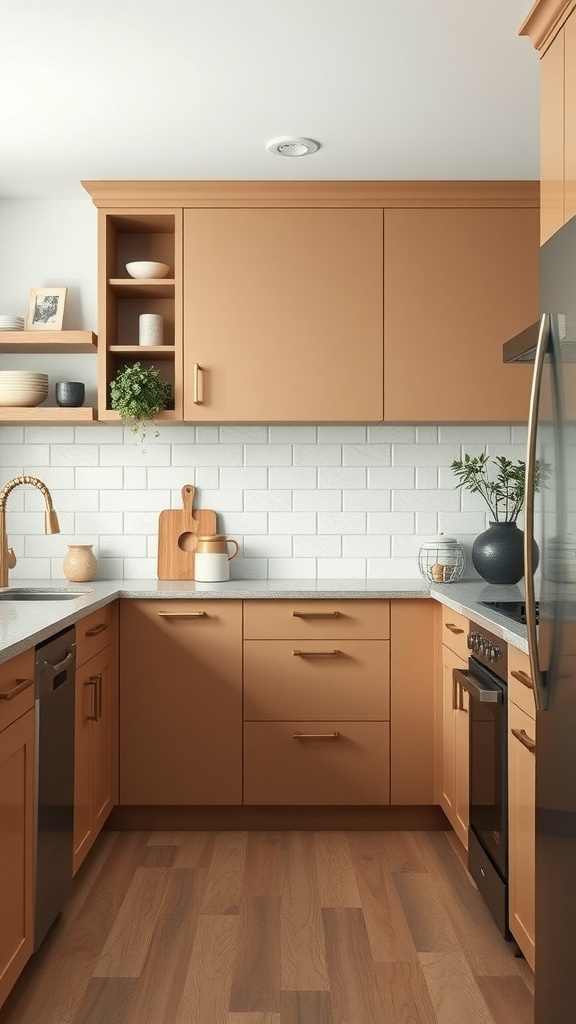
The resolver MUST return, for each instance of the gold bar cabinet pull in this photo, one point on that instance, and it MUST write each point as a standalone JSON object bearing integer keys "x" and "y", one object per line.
{"x": 453, "y": 628}
{"x": 523, "y": 678}
{"x": 316, "y": 615}
{"x": 523, "y": 737}
{"x": 21, "y": 685}
{"x": 316, "y": 735}
{"x": 316, "y": 654}
{"x": 97, "y": 629}
{"x": 198, "y": 390}
{"x": 182, "y": 615}
{"x": 93, "y": 681}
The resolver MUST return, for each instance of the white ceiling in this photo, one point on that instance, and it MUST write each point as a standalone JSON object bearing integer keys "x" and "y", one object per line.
{"x": 194, "y": 89}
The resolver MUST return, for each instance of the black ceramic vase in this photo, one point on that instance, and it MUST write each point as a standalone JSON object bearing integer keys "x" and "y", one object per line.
{"x": 498, "y": 553}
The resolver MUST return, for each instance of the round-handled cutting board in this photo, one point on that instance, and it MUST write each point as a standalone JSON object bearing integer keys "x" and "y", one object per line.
{"x": 178, "y": 532}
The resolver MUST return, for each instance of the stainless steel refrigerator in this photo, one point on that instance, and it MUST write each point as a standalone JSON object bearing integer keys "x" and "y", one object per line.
{"x": 550, "y": 516}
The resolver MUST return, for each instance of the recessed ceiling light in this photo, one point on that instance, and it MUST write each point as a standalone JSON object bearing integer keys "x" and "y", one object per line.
{"x": 292, "y": 146}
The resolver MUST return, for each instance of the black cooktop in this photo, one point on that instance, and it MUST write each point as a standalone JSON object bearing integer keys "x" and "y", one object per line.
{"x": 515, "y": 610}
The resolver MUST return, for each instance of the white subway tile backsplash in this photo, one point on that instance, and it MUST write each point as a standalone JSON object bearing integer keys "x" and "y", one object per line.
{"x": 326, "y": 501}
{"x": 268, "y": 501}
{"x": 366, "y": 455}
{"x": 267, "y": 455}
{"x": 366, "y": 501}
{"x": 317, "y": 454}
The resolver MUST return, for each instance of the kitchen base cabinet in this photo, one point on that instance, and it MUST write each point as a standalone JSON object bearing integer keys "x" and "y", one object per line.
{"x": 455, "y": 747}
{"x": 180, "y": 702}
{"x": 522, "y": 825}
{"x": 16, "y": 846}
{"x": 96, "y": 727}
{"x": 316, "y": 762}
{"x": 412, "y": 701}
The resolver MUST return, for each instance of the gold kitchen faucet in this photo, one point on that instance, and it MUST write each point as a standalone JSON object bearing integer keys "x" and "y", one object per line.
{"x": 51, "y": 524}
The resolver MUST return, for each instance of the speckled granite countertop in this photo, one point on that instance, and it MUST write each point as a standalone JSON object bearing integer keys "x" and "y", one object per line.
{"x": 24, "y": 624}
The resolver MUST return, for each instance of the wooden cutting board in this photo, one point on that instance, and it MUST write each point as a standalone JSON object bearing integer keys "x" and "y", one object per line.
{"x": 178, "y": 530}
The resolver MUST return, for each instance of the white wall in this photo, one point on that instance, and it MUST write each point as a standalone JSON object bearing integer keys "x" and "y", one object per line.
{"x": 304, "y": 501}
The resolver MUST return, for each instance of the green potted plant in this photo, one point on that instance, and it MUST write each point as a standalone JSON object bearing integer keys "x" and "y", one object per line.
{"x": 498, "y": 553}
{"x": 138, "y": 394}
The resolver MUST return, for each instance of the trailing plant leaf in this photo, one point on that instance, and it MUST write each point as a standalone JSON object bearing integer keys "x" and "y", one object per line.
{"x": 138, "y": 394}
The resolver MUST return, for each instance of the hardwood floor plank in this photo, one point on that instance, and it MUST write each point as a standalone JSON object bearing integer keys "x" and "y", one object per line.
{"x": 106, "y": 1001}
{"x": 158, "y": 856}
{"x": 262, "y": 873}
{"x": 508, "y": 999}
{"x": 404, "y": 994}
{"x": 194, "y": 849}
{"x": 429, "y": 924}
{"x": 225, "y": 874}
{"x": 256, "y": 977}
{"x": 306, "y": 1008}
{"x": 253, "y": 1018}
{"x": 206, "y": 991}
{"x": 127, "y": 945}
{"x": 302, "y": 948}
{"x": 485, "y": 949}
{"x": 336, "y": 878}
{"x": 455, "y": 995}
{"x": 164, "y": 973}
{"x": 388, "y": 932}
{"x": 354, "y": 991}
{"x": 398, "y": 849}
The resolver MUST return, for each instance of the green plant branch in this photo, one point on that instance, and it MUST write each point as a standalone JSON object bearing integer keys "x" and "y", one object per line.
{"x": 503, "y": 490}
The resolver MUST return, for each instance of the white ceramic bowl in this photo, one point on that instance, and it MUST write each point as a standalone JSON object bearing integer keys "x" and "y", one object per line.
{"x": 23, "y": 397}
{"x": 147, "y": 269}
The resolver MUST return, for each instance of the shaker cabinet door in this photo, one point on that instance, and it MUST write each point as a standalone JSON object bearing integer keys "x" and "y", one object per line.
{"x": 283, "y": 315}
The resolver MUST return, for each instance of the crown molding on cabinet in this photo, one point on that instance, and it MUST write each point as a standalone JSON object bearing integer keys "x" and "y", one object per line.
{"x": 160, "y": 194}
{"x": 544, "y": 20}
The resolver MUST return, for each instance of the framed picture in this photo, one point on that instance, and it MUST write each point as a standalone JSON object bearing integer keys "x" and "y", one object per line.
{"x": 46, "y": 309}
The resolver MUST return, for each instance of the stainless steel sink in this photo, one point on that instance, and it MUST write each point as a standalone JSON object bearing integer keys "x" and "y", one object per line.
{"x": 33, "y": 594}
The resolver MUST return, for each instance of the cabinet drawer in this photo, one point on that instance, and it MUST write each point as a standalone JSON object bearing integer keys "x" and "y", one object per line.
{"x": 13, "y": 673}
{"x": 314, "y": 679}
{"x": 351, "y": 767}
{"x": 455, "y": 629}
{"x": 93, "y": 634}
{"x": 520, "y": 684}
{"x": 316, "y": 619}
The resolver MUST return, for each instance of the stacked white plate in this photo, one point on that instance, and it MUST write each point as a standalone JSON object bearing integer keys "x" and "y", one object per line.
{"x": 20, "y": 388}
{"x": 11, "y": 323}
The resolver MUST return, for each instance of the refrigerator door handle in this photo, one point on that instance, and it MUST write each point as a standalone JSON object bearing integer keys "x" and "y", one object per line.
{"x": 543, "y": 336}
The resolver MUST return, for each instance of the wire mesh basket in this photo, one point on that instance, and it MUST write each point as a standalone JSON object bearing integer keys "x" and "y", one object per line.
{"x": 441, "y": 559}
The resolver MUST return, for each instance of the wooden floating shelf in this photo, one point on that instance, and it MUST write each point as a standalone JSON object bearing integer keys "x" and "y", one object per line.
{"x": 146, "y": 352}
{"x": 48, "y": 341}
{"x": 146, "y": 288}
{"x": 47, "y": 415}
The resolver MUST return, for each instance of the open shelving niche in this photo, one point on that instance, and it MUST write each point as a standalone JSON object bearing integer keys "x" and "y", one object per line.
{"x": 126, "y": 236}
{"x": 47, "y": 343}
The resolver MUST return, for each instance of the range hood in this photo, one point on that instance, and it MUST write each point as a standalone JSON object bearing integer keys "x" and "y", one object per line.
{"x": 522, "y": 347}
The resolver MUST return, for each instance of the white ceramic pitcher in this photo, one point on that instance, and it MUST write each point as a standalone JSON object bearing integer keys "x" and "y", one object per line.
{"x": 211, "y": 558}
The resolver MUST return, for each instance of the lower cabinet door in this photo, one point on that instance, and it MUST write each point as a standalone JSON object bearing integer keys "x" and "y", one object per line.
{"x": 522, "y": 823}
{"x": 462, "y": 747}
{"x": 455, "y": 768}
{"x": 16, "y": 839}
{"x": 94, "y": 754}
{"x": 85, "y": 714}
{"x": 316, "y": 763}
{"x": 102, "y": 743}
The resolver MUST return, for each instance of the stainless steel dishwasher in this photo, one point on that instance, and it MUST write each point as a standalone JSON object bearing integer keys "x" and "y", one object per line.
{"x": 54, "y": 790}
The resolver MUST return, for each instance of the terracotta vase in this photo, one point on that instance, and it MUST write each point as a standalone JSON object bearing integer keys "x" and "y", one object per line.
{"x": 80, "y": 564}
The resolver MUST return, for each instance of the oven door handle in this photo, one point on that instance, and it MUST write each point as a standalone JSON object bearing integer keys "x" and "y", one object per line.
{"x": 485, "y": 694}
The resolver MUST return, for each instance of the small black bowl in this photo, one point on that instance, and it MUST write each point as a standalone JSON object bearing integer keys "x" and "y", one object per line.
{"x": 70, "y": 393}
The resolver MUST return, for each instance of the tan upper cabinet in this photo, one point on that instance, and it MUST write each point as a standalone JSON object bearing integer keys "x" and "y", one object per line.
{"x": 551, "y": 25}
{"x": 458, "y": 284}
{"x": 283, "y": 315}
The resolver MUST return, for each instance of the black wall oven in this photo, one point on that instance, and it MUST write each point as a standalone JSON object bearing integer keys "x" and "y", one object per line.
{"x": 485, "y": 681}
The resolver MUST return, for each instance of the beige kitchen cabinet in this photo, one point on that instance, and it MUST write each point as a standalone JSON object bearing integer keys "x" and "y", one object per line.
{"x": 181, "y": 702}
{"x": 457, "y": 284}
{"x": 551, "y": 25}
{"x": 522, "y": 802}
{"x": 317, "y": 702}
{"x": 283, "y": 315}
{"x": 96, "y": 727}
{"x": 412, "y": 625}
{"x": 17, "y": 738}
{"x": 454, "y": 745}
